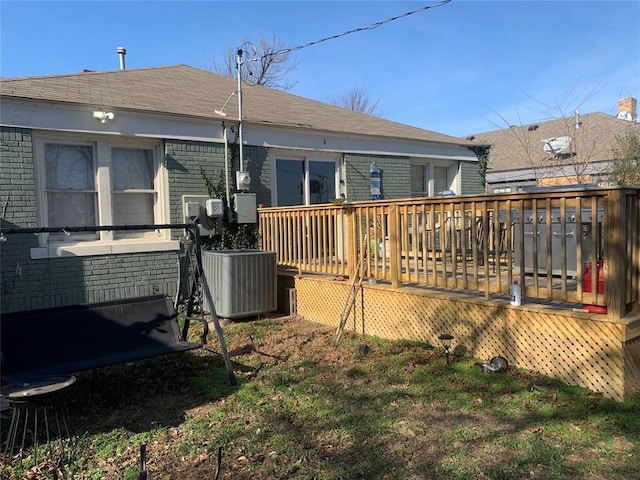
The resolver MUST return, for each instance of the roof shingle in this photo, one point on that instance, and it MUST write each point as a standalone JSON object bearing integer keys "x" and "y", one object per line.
{"x": 521, "y": 147}
{"x": 184, "y": 90}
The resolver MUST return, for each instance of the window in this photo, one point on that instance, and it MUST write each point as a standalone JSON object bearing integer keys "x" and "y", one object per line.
{"x": 289, "y": 182}
{"x": 420, "y": 180}
{"x": 428, "y": 180}
{"x": 71, "y": 196}
{"x": 440, "y": 180}
{"x": 322, "y": 181}
{"x": 103, "y": 182}
{"x": 134, "y": 196}
{"x": 305, "y": 181}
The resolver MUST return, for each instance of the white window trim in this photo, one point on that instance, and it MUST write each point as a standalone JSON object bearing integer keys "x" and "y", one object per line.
{"x": 431, "y": 164}
{"x": 276, "y": 155}
{"x": 106, "y": 244}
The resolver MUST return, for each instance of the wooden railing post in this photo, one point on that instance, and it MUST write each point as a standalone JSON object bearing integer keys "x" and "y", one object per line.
{"x": 394, "y": 246}
{"x": 614, "y": 254}
{"x": 351, "y": 242}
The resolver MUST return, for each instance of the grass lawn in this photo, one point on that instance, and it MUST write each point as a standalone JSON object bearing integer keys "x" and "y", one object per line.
{"x": 306, "y": 408}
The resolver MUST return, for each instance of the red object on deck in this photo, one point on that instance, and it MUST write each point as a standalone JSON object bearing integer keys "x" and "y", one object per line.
{"x": 586, "y": 285}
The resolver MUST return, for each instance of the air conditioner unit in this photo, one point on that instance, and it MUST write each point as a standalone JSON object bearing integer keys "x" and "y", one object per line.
{"x": 242, "y": 282}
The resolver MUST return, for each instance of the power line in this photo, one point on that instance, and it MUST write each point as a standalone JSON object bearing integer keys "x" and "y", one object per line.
{"x": 355, "y": 30}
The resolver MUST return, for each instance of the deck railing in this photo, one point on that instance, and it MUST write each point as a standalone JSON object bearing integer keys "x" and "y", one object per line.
{"x": 566, "y": 246}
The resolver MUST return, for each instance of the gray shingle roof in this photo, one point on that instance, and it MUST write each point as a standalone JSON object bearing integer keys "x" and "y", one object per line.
{"x": 184, "y": 90}
{"x": 519, "y": 147}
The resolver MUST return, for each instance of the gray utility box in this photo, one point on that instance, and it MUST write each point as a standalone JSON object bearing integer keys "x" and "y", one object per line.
{"x": 243, "y": 283}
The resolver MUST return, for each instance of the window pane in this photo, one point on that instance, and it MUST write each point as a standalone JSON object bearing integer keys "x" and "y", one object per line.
{"x": 440, "y": 180}
{"x": 289, "y": 182}
{"x": 69, "y": 167}
{"x": 322, "y": 181}
{"x": 418, "y": 179}
{"x": 133, "y": 208}
{"x": 71, "y": 209}
{"x": 132, "y": 169}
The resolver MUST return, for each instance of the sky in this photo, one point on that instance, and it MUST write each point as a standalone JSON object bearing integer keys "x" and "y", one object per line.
{"x": 465, "y": 67}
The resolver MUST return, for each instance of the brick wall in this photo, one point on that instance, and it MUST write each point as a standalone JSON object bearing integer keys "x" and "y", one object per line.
{"x": 185, "y": 160}
{"x": 27, "y": 284}
{"x": 17, "y": 188}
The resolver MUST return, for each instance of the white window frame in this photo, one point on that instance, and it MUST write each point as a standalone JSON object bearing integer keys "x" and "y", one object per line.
{"x": 105, "y": 242}
{"x": 307, "y": 181}
{"x": 429, "y": 166}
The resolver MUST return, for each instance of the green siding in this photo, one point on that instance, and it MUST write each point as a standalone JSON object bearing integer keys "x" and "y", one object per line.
{"x": 471, "y": 182}
{"x": 396, "y": 174}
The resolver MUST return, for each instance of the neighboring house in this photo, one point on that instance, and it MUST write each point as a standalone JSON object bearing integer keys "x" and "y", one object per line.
{"x": 573, "y": 150}
{"x": 127, "y": 146}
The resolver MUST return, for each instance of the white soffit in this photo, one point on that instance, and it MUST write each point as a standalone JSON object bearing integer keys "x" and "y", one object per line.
{"x": 354, "y": 144}
{"x": 72, "y": 118}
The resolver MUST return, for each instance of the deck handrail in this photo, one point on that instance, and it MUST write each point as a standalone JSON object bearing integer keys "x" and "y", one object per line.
{"x": 579, "y": 247}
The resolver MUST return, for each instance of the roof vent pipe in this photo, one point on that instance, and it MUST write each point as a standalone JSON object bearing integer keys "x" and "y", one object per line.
{"x": 121, "y": 53}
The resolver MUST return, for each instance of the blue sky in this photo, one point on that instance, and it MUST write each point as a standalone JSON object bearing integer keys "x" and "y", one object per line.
{"x": 467, "y": 67}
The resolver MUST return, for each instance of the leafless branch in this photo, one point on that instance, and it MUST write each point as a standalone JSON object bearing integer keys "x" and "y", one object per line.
{"x": 357, "y": 100}
{"x": 269, "y": 65}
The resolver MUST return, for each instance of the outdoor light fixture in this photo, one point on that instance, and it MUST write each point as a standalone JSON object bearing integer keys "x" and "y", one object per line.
{"x": 445, "y": 338}
{"x": 221, "y": 112}
{"x": 104, "y": 117}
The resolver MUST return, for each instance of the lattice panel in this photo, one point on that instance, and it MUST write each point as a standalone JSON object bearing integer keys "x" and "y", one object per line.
{"x": 632, "y": 365}
{"x": 322, "y": 300}
{"x": 580, "y": 349}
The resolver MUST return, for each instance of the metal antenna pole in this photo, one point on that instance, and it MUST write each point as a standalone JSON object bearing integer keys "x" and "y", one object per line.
{"x": 238, "y": 64}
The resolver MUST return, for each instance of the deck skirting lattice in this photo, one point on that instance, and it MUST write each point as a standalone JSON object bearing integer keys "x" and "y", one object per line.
{"x": 578, "y": 348}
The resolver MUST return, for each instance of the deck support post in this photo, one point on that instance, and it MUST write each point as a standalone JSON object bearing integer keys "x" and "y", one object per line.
{"x": 615, "y": 287}
{"x": 395, "y": 247}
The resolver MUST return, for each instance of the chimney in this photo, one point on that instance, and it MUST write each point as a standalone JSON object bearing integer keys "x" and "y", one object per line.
{"x": 627, "y": 109}
{"x": 123, "y": 51}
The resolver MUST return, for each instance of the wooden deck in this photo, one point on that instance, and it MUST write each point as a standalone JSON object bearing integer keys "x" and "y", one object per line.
{"x": 445, "y": 265}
